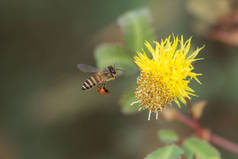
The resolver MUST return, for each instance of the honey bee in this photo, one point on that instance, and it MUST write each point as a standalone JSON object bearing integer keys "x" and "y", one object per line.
{"x": 99, "y": 79}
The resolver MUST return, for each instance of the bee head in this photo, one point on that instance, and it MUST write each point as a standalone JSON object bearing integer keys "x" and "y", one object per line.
{"x": 112, "y": 70}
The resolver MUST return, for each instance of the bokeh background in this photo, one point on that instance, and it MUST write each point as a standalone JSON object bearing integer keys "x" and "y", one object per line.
{"x": 44, "y": 114}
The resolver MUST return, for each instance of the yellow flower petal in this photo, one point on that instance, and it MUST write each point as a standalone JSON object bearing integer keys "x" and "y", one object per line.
{"x": 165, "y": 77}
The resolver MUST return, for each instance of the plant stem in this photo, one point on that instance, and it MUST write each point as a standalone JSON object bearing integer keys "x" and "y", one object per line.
{"x": 207, "y": 135}
{"x": 219, "y": 141}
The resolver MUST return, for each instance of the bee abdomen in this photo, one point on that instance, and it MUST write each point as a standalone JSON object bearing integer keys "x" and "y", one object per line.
{"x": 89, "y": 83}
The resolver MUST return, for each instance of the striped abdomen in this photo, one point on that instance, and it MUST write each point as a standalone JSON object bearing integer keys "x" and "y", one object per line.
{"x": 91, "y": 82}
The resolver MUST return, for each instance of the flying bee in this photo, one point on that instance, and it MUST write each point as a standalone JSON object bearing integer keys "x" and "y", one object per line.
{"x": 99, "y": 79}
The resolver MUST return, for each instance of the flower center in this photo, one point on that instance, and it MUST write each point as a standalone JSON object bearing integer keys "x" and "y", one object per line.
{"x": 152, "y": 93}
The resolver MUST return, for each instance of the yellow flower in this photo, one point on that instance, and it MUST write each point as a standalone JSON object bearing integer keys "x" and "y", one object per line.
{"x": 164, "y": 78}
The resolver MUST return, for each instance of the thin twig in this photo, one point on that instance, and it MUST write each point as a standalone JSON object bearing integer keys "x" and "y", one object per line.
{"x": 217, "y": 140}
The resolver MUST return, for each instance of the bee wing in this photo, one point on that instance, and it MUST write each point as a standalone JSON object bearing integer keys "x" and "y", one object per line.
{"x": 87, "y": 68}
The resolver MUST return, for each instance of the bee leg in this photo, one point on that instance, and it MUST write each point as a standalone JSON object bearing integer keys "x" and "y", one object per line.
{"x": 106, "y": 90}
{"x": 98, "y": 89}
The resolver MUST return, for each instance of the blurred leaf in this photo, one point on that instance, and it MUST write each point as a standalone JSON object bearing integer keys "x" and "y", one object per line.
{"x": 199, "y": 148}
{"x": 208, "y": 11}
{"x": 168, "y": 136}
{"x": 136, "y": 27}
{"x": 106, "y": 55}
{"x": 197, "y": 109}
{"x": 126, "y": 102}
{"x": 167, "y": 152}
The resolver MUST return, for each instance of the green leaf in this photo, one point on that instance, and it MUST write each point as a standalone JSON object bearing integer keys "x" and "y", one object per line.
{"x": 167, "y": 152}
{"x": 168, "y": 136}
{"x": 136, "y": 28}
{"x": 126, "y": 102}
{"x": 106, "y": 55}
{"x": 199, "y": 148}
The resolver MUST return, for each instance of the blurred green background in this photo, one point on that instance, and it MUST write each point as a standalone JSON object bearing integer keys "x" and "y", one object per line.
{"x": 45, "y": 114}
